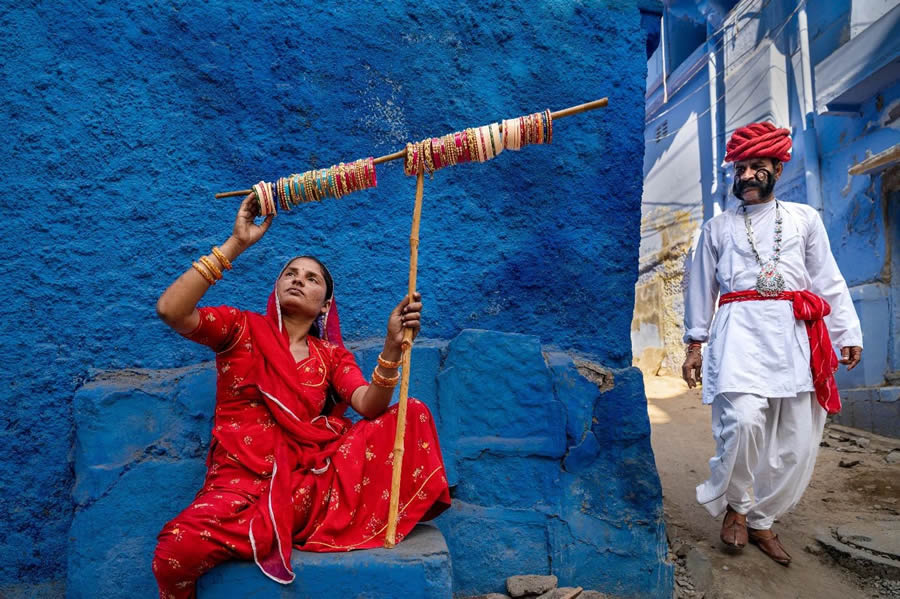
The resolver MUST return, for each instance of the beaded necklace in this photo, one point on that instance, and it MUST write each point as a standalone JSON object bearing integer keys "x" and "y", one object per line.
{"x": 769, "y": 282}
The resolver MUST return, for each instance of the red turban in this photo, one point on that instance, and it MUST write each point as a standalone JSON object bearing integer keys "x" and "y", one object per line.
{"x": 759, "y": 140}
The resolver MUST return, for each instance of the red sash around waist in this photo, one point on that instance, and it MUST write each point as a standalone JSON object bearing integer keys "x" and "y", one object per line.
{"x": 811, "y": 309}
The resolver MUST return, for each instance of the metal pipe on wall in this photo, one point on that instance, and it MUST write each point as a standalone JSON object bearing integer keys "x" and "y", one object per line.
{"x": 810, "y": 141}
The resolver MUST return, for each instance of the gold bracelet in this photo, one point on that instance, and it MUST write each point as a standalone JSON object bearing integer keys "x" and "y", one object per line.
{"x": 409, "y": 158}
{"x": 428, "y": 157}
{"x": 383, "y": 381}
{"x": 387, "y": 363}
{"x": 204, "y": 274}
{"x": 212, "y": 267}
{"x": 221, "y": 257}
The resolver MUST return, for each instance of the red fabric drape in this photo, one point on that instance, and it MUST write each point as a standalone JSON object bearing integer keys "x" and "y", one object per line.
{"x": 281, "y": 474}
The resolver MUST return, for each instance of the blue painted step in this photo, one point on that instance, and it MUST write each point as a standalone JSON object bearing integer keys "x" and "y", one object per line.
{"x": 417, "y": 568}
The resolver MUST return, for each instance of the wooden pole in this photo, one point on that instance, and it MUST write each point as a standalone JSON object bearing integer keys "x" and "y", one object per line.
{"x": 390, "y": 537}
{"x": 602, "y": 102}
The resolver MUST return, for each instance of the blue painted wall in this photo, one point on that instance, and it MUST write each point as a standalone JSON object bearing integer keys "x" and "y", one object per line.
{"x": 862, "y": 223}
{"x": 550, "y": 473}
{"x": 122, "y": 119}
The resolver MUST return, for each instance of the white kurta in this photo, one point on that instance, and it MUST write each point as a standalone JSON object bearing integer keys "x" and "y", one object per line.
{"x": 759, "y": 347}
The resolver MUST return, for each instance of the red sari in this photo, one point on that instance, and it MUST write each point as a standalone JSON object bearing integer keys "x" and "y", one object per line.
{"x": 281, "y": 474}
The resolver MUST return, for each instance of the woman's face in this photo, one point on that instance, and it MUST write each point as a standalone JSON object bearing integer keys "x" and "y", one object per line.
{"x": 301, "y": 289}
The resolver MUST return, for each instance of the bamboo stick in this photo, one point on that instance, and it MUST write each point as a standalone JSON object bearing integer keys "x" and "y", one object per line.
{"x": 405, "y": 359}
{"x": 602, "y": 102}
{"x": 390, "y": 538}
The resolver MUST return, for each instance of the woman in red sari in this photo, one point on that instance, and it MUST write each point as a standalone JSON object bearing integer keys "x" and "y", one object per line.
{"x": 285, "y": 468}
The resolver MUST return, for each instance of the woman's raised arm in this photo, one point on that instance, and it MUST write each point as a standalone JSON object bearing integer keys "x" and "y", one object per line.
{"x": 177, "y": 306}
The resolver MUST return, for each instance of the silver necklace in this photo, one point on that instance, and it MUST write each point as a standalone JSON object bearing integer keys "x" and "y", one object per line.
{"x": 769, "y": 282}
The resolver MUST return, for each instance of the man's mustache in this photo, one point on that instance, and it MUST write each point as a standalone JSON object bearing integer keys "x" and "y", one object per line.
{"x": 751, "y": 183}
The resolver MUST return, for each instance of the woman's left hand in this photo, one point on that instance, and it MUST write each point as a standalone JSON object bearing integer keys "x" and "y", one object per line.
{"x": 407, "y": 315}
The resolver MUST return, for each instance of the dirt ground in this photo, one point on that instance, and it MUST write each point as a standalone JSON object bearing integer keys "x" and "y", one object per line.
{"x": 867, "y": 491}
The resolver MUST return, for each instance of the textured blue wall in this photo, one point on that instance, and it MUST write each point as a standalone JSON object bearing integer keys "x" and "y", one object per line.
{"x": 124, "y": 118}
{"x": 550, "y": 473}
{"x": 854, "y": 208}
{"x": 863, "y": 223}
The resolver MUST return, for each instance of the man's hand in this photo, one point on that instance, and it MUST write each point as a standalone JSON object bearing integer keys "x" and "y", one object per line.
{"x": 850, "y": 356}
{"x": 691, "y": 370}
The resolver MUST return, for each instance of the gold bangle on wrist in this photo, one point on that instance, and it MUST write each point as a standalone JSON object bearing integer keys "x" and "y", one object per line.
{"x": 209, "y": 278}
{"x": 387, "y": 363}
{"x": 211, "y": 267}
{"x": 226, "y": 263}
{"x": 383, "y": 381}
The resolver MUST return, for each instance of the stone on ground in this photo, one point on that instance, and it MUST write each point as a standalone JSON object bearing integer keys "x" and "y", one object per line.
{"x": 530, "y": 584}
{"x": 561, "y": 593}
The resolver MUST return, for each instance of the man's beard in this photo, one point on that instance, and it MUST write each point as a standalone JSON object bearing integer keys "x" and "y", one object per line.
{"x": 764, "y": 187}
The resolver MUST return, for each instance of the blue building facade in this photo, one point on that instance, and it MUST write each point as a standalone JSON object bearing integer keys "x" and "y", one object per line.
{"x": 122, "y": 120}
{"x": 829, "y": 72}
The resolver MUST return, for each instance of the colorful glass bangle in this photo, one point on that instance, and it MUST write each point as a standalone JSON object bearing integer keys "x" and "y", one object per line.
{"x": 371, "y": 166}
{"x": 427, "y": 157}
{"x": 298, "y": 187}
{"x": 360, "y": 173}
{"x": 473, "y": 144}
{"x": 270, "y": 198}
{"x": 497, "y": 137}
{"x": 483, "y": 144}
{"x": 435, "y": 151}
{"x": 410, "y": 155}
{"x": 350, "y": 178}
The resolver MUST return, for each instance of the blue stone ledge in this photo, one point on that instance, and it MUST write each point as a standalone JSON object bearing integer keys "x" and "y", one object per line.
{"x": 873, "y": 409}
{"x": 417, "y": 568}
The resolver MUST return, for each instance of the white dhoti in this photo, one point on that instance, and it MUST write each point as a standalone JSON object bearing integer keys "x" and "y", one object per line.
{"x": 765, "y": 453}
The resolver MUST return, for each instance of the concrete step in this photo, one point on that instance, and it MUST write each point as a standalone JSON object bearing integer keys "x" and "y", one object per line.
{"x": 867, "y": 548}
{"x": 417, "y": 568}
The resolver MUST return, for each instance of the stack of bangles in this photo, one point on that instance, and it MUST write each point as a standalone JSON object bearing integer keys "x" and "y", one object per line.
{"x": 693, "y": 347}
{"x": 477, "y": 144}
{"x": 385, "y": 381}
{"x": 208, "y": 269}
{"x": 314, "y": 186}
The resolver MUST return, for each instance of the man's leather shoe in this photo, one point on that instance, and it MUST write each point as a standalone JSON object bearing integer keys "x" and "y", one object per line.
{"x": 734, "y": 529}
{"x": 768, "y": 543}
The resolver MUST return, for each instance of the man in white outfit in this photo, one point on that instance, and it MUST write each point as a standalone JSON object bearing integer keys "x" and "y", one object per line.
{"x": 769, "y": 363}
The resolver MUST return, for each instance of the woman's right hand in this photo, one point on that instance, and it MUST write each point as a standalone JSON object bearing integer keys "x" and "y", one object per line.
{"x": 246, "y": 231}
